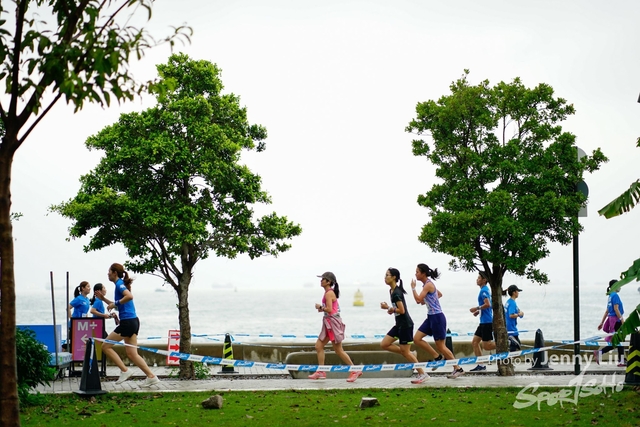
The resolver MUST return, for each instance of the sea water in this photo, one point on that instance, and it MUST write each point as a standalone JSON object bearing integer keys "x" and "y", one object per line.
{"x": 248, "y": 313}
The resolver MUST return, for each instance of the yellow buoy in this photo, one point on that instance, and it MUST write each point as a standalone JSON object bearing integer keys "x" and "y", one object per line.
{"x": 358, "y": 300}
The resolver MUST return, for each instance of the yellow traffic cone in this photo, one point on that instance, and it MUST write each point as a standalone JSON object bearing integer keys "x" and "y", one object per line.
{"x": 227, "y": 354}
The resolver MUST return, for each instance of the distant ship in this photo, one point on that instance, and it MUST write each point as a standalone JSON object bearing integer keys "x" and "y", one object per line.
{"x": 357, "y": 299}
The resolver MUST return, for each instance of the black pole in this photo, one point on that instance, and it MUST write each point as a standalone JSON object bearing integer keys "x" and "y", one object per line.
{"x": 576, "y": 305}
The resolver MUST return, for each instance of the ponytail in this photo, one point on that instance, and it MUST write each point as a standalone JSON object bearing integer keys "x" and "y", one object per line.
{"x": 424, "y": 268}
{"x": 396, "y": 273}
{"x": 78, "y": 290}
{"x": 119, "y": 270}
{"x": 336, "y": 289}
{"x": 401, "y": 287}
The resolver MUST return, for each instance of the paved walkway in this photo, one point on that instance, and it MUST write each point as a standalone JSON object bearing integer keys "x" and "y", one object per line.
{"x": 253, "y": 379}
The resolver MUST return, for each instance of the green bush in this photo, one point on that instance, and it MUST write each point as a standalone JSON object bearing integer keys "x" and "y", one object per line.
{"x": 33, "y": 365}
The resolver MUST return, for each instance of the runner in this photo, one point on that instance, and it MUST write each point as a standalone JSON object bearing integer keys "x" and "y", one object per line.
{"x": 332, "y": 326}
{"x": 611, "y": 322}
{"x": 435, "y": 324}
{"x": 484, "y": 333}
{"x": 403, "y": 329}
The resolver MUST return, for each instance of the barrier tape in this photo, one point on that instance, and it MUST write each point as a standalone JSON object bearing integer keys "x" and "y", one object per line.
{"x": 347, "y": 368}
{"x": 234, "y": 337}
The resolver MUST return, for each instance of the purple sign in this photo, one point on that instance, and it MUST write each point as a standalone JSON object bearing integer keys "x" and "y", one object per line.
{"x": 81, "y": 330}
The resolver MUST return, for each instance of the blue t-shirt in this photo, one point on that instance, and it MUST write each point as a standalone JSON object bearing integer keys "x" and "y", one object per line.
{"x": 512, "y": 323}
{"x": 99, "y": 306}
{"x": 80, "y": 306}
{"x": 486, "y": 315}
{"x": 613, "y": 300}
{"x": 126, "y": 310}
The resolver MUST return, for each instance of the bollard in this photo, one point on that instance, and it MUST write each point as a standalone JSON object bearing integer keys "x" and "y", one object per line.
{"x": 448, "y": 342}
{"x": 632, "y": 376}
{"x": 90, "y": 381}
{"x": 539, "y": 356}
{"x": 227, "y": 353}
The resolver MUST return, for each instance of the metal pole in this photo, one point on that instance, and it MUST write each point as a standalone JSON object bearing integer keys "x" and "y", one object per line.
{"x": 576, "y": 305}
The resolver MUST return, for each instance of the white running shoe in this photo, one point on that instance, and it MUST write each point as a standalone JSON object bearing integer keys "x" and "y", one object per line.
{"x": 148, "y": 382}
{"x": 421, "y": 378}
{"x": 124, "y": 376}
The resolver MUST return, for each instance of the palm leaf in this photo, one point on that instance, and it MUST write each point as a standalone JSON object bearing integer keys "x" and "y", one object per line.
{"x": 628, "y": 327}
{"x": 623, "y": 203}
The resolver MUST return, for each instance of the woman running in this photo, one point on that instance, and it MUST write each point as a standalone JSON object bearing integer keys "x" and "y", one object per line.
{"x": 435, "y": 324}
{"x": 128, "y": 328}
{"x": 332, "y": 326}
{"x": 403, "y": 329}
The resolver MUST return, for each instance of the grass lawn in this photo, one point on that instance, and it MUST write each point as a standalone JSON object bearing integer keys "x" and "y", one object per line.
{"x": 425, "y": 406}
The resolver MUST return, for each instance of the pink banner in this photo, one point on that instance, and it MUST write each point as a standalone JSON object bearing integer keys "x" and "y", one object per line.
{"x": 81, "y": 330}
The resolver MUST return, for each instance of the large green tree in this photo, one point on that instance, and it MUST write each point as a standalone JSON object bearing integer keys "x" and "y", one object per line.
{"x": 78, "y": 51}
{"x": 170, "y": 186}
{"x": 506, "y": 177}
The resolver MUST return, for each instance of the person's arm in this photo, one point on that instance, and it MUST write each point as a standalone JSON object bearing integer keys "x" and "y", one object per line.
{"x": 69, "y": 310}
{"x": 126, "y": 297}
{"x": 604, "y": 317}
{"x": 616, "y": 308}
{"x": 478, "y": 309}
{"x": 97, "y": 313}
{"x": 423, "y": 294}
{"x": 399, "y": 308}
{"x": 104, "y": 299}
{"x": 439, "y": 294}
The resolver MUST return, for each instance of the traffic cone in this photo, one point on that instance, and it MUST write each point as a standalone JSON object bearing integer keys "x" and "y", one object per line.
{"x": 632, "y": 376}
{"x": 539, "y": 356}
{"x": 90, "y": 380}
{"x": 227, "y": 353}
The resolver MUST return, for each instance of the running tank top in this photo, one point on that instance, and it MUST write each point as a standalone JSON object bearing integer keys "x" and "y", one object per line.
{"x": 334, "y": 309}
{"x": 432, "y": 301}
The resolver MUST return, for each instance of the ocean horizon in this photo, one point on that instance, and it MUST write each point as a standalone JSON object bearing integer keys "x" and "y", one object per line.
{"x": 259, "y": 313}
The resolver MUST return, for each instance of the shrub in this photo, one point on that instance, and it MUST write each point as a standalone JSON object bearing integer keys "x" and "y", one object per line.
{"x": 33, "y": 365}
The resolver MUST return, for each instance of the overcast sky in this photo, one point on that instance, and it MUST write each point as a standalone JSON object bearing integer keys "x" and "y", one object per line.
{"x": 335, "y": 83}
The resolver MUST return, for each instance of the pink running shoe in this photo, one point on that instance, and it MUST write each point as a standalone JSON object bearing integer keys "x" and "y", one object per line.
{"x": 318, "y": 375}
{"x": 353, "y": 376}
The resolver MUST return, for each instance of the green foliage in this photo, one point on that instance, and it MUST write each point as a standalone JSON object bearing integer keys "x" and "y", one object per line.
{"x": 170, "y": 187}
{"x": 202, "y": 371}
{"x": 507, "y": 175}
{"x": 33, "y": 365}
{"x": 628, "y": 327}
{"x": 50, "y": 50}
{"x": 623, "y": 203}
{"x": 457, "y": 406}
{"x": 82, "y": 53}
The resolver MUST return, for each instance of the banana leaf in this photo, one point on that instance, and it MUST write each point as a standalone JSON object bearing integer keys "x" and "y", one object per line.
{"x": 628, "y": 327}
{"x": 633, "y": 273}
{"x": 623, "y": 203}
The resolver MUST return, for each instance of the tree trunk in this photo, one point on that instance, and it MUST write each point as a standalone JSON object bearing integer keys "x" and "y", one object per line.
{"x": 9, "y": 404}
{"x": 505, "y": 366}
{"x": 187, "y": 371}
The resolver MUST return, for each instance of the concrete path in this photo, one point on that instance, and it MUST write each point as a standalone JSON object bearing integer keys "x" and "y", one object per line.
{"x": 254, "y": 379}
